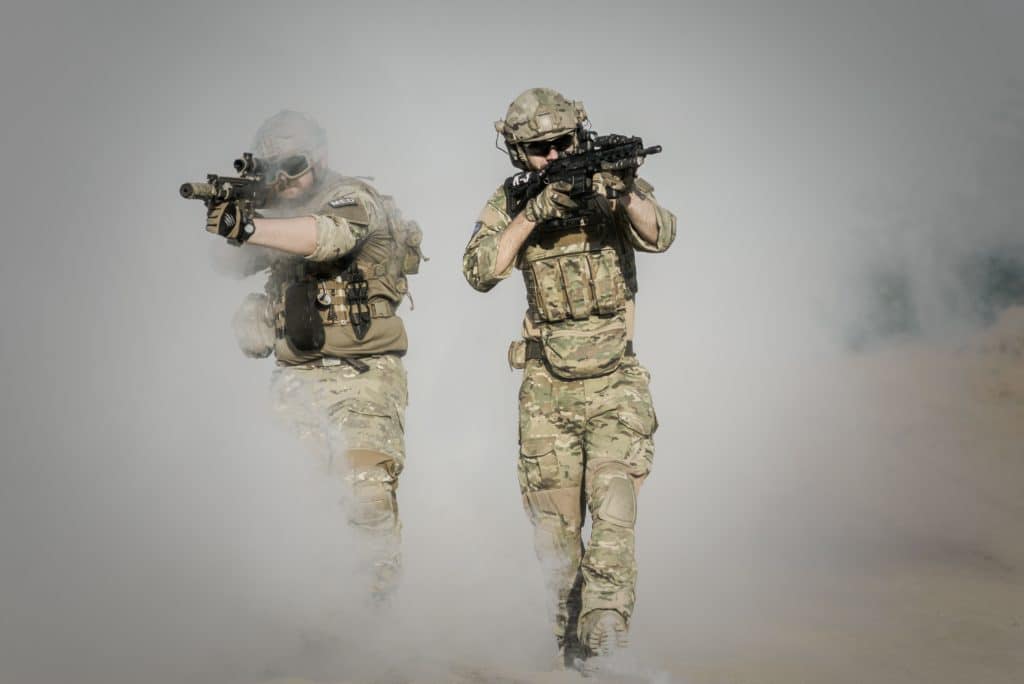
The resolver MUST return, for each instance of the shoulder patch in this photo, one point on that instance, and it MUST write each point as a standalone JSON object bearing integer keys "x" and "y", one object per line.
{"x": 493, "y": 216}
{"x": 477, "y": 226}
{"x": 342, "y": 202}
{"x": 352, "y": 208}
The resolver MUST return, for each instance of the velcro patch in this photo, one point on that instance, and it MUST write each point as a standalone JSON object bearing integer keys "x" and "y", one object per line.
{"x": 351, "y": 209}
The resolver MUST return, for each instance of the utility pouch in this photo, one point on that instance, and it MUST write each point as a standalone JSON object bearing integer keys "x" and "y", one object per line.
{"x": 357, "y": 297}
{"x": 585, "y": 349}
{"x": 412, "y": 254}
{"x": 303, "y": 326}
{"x": 547, "y": 290}
{"x": 575, "y": 286}
{"x": 517, "y": 355}
{"x": 607, "y": 282}
{"x": 578, "y": 284}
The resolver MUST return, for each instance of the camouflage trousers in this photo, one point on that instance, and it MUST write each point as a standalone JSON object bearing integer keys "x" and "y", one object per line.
{"x": 354, "y": 422}
{"x": 585, "y": 444}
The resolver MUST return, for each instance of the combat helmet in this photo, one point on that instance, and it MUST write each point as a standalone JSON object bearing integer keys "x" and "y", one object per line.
{"x": 538, "y": 114}
{"x": 287, "y": 137}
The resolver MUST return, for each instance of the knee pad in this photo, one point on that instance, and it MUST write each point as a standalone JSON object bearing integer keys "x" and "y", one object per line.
{"x": 372, "y": 504}
{"x": 617, "y": 502}
{"x": 549, "y": 506}
{"x": 557, "y": 517}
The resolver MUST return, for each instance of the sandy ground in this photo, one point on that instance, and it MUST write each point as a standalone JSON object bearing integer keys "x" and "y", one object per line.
{"x": 931, "y": 591}
{"x": 923, "y": 597}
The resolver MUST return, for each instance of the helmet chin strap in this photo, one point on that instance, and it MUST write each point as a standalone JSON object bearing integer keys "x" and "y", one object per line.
{"x": 513, "y": 150}
{"x": 519, "y": 158}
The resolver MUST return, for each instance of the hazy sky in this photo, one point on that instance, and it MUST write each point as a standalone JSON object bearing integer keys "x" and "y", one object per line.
{"x": 156, "y": 526}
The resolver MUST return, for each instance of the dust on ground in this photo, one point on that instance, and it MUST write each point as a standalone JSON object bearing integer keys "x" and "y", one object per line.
{"x": 918, "y": 578}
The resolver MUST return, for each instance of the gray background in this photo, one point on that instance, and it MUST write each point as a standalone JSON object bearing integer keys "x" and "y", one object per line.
{"x": 155, "y": 525}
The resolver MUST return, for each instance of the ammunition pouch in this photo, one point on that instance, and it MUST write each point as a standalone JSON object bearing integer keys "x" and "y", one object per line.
{"x": 578, "y": 302}
{"x": 303, "y": 326}
{"x": 575, "y": 286}
{"x": 331, "y": 306}
{"x": 340, "y": 310}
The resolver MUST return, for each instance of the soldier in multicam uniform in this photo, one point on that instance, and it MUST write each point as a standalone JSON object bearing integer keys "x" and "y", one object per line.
{"x": 586, "y": 418}
{"x": 338, "y": 253}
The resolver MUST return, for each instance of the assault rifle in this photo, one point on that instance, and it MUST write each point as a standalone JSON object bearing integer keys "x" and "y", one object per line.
{"x": 249, "y": 189}
{"x": 596, "y": 153}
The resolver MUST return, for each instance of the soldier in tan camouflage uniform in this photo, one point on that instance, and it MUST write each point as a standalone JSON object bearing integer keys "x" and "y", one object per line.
{"x": 586, "y": 418}
{"x": 338, "y": 253}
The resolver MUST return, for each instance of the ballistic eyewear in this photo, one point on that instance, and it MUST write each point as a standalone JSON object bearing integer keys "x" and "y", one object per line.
{"x": 541, "y": 148}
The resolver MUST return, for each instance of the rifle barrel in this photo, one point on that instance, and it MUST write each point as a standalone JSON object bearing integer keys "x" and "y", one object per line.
{"x": 199, "y": 191}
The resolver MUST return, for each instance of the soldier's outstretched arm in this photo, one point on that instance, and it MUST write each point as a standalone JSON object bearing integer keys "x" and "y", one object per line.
{"x": 293, "y": 235}
{"x": 324, "y": 236}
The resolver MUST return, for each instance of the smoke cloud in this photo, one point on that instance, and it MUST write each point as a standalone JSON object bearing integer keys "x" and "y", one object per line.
{"x": 836, "y": 490}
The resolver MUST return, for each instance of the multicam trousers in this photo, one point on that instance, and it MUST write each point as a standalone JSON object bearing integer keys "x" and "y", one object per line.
{"x": 585, "y": 443}
{"x": 354, "y": 421}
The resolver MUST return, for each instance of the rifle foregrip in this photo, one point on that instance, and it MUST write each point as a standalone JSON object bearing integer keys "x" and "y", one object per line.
{"x": 199, "y": 191}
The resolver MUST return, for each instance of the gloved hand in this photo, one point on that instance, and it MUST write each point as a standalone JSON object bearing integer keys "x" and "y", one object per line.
{"x": 553, "y": 202}
{"x": 228, "y": 220}
{"x": 617, "y": 182}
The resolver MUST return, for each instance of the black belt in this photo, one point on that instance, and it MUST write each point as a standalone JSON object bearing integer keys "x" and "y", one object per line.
{"x": 535, "y": 350}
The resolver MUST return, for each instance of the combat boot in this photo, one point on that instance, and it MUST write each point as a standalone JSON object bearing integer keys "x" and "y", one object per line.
{"x": 570, "y": 653}
{"x": 604, "y": 634}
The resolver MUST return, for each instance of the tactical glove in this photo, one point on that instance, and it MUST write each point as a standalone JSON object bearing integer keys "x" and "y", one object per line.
{"x": 553, "y": 202}
{"x": 228, "y": 220}
{"x": 615, "y": 183}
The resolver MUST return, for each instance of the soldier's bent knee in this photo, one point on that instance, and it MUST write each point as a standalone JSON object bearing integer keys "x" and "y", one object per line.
{"x": 371, "y": 502}
{"x": 372, "y": 505}
{"x": 561, "y": 507}
{"x": 617, "y": 504}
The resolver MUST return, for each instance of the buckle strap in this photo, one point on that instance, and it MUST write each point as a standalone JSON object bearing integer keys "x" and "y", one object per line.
{"x": 381, "y": 308}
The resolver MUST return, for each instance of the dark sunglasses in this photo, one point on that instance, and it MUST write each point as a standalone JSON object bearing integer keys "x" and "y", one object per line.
{"x": 541, "y": 148}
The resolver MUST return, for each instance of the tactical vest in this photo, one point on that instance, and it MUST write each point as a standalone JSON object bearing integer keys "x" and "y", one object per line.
{"x": 346, "y": 308}
{"x": 579, "y": 284}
